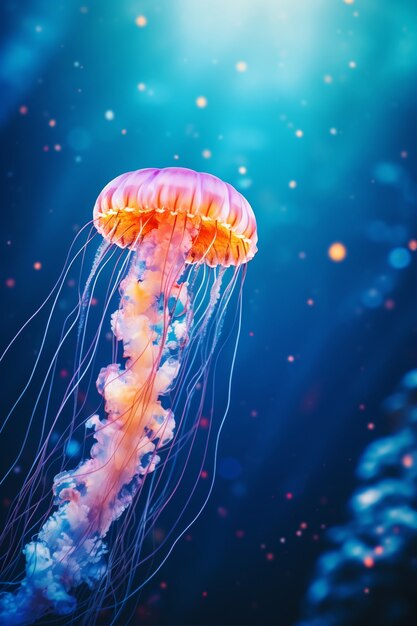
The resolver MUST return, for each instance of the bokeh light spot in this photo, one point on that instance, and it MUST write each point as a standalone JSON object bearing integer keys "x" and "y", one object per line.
{"x": 372, "y": 298}
{"x": 141, "y": 21}
{"x": 229, "y": 468}
{"x": 73, "y": 447}
{"x": 337, "y": 252}
{"x": 201, "y": 102}
{"x": 241, "y": 66}
{"x": 399, "y": 258}
{"x": 387, "y": 173}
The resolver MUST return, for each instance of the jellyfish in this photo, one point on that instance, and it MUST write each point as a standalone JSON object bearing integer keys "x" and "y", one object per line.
{"x": 179, "y": 242}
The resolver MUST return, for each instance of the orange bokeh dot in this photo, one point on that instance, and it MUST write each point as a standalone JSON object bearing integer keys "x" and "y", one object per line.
{"x": 141, "y": 21}
{"x": 201, "y": 102}
{"x": 37, "y": 265}
{"x": 337, "y": 252}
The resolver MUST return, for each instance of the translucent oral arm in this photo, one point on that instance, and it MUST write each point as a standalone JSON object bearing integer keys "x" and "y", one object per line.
{"x": 70, "y": 548}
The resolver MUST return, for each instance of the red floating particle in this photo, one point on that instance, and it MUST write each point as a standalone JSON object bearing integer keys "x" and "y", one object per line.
{"x": 163, "y": 585}
{"x": 204, "y": 474}
{"x": 368, "y": 561}
{"x": 141, "y": 611}
{"x": 222, "y": 512}
{"x": 204, "y": 594}
{"x": 10, "y": 283}
{"x": 270, "y": 556}
{"x": 407, "y": 460}
{"x": 379, "y": 550}
{"x": 23, "y": 110}
{"x": 37, "y": 265}
{"x": 289, "y": 495}
{"x": 240, "y": 534}
{"x": 204, "y": 422}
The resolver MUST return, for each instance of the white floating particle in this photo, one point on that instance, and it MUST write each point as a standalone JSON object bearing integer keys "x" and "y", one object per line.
{"x": 241, "y": 66}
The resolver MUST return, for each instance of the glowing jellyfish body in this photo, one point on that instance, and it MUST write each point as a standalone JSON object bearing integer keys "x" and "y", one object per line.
{"x": 176, "y": 225}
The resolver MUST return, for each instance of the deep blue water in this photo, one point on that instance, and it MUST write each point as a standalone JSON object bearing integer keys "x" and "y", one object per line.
{"x": 311, "y": 113}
